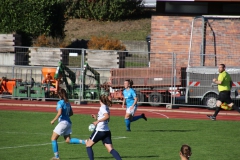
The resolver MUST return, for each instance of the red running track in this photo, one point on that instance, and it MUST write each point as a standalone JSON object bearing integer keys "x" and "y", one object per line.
{"x": 116, "y": 110}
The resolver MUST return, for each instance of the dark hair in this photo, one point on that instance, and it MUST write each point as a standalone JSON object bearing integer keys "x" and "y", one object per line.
{"x": 105, "y": 100}
{"x": 223, "y": 65}
{"x": 63, "y": 95}
{"x": 130, "y": 82}
{"x": 186, "y": 151}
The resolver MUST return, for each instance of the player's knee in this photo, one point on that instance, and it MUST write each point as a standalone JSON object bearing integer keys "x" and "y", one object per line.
{"x": 218, "y": 103}
{"x": 89, "y": 143}
{"x": 67, "y": 141}
{"x": 127, "y": 116}
{"x": 109, "y": 150}
{"x": 231, "y": 104}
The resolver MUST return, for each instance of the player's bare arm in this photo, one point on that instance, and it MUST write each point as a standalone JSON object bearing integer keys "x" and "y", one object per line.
{"x": 106, "y": 117}
{"x": 94, "y": 116}
{"x": 57, "y": 116}
{"x": 217, "y": 81}
{"x": 123, "y": 103}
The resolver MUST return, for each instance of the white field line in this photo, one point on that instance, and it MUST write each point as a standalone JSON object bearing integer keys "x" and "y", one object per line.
{"x": 43, "y": 144}
{"x": 74, "y": 135}
{"x": 31, "y": 145}
{"x": 159, "y": 114}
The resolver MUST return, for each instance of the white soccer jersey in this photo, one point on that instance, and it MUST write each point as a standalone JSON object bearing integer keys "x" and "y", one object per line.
{"x": 103, "y": 126}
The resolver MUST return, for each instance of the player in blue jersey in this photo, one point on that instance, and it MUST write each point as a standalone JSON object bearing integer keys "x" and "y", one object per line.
{"x": 102, "y": 131}
{"x": 130, "y": 98}
{"x": 64, "y": 111}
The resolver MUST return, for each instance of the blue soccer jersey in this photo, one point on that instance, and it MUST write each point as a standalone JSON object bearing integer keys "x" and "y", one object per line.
{"x": 66, "y": 109}
{"x": 129, "y": 96}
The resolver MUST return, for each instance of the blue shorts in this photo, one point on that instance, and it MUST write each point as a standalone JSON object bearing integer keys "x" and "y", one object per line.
{"x": 104, "y": 136}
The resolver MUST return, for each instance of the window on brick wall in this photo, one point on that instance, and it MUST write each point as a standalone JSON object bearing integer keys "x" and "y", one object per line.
{"x": 186, "y": 7}
{"x": 231, "y": 8}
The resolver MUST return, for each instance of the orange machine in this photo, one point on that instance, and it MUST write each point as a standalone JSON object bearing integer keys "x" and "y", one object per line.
{"x": 7, "y": 85}
{"x": 48, "y": 73}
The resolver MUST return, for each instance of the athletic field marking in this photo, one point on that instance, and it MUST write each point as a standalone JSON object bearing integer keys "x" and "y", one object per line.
{"x": 30, "y": 145}
{"x": 72, "y": 135}
{"x": 159, "y": 114}
{"x": 25, "y": 133}
{"x": 117, "y": 137}
{"x": 44, "y": 144}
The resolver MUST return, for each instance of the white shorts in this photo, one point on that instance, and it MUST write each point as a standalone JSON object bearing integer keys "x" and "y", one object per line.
{"x": 63, "y": 128}
{"x": 132, "y": 112}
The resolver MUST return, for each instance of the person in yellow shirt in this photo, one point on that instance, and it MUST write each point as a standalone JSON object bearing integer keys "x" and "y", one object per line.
{"x": 224, "y": 83}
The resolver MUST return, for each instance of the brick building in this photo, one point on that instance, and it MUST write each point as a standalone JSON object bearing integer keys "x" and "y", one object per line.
{"x": 171, "y": 31}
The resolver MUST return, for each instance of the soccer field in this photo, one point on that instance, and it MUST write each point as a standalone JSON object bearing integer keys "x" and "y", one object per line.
{"x": 26, "y": 136}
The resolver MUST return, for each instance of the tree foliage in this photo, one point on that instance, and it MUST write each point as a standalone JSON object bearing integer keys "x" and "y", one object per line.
{"x": 107, "y": 10}
{"x": 34, "y": 17}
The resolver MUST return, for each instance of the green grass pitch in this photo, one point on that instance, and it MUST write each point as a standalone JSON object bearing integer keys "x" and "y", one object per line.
{"x": 26, "y": 136}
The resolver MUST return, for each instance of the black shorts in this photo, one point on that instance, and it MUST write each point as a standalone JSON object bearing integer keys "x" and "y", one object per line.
{"x": 105, "y": 136}
{"x": 225, "y": 96}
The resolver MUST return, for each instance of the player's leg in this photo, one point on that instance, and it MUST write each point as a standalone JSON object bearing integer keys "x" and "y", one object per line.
{"x": 135, "y": 118}
{"x": 220, "y": 100}
{"x": 230, "y": 103}
{"x": 59, "y": 129}
{"x": 94, "y": 138}
{"x": 89, "y": 145}
{"x": 55, "y": 145}
{"x": 107, "y": 141}
{"x": 70, "y": 140}
{"x": 128, "y": 118}
{"x": 67, "y": 136}
{"x": 218, "y": 104}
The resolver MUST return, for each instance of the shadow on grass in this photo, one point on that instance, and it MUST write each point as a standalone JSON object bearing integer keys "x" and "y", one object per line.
{"x": 156, "y": 130}
{"x": 140, "y": 157}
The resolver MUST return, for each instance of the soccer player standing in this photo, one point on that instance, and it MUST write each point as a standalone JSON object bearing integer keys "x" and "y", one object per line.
{"x": 224, "y": 83}
{"x": 130, "y": 98}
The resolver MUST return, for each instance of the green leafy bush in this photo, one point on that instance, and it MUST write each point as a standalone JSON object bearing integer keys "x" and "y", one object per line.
{"x": 104, "y": 10}
{"x": 34, "y": 17}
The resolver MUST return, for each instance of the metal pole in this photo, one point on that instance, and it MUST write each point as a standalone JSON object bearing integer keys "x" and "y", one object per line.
{"x": 172, "y": 79}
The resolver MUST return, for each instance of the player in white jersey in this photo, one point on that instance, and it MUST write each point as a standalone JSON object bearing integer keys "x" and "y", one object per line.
{"x": 102, "y": 131}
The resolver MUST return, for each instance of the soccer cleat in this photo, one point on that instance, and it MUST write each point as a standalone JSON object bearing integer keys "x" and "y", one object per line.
{"x": 54, "y": 158}
{"x": 211, "y": 117}
{"x": 128, "y": 130}
{"x": 144, "y": 117}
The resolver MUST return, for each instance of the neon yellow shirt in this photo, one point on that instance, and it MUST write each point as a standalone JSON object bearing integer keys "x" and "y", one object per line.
{"x": 226, "y": 80}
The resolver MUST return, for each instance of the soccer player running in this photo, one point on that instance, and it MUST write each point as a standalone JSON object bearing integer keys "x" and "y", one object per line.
{"x": 64, "y": 111}
{"x": 102, "y": 131}
{"x": 224, "y": 83}
{"x": 131, "y": 99}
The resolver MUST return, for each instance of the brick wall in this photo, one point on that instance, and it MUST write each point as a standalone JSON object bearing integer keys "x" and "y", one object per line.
{"x": 172, "y": 34}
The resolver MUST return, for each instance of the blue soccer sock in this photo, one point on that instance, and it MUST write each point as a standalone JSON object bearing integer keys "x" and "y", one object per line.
{"x": 90, "y": 153}
{"x": 55, "y": 148}
{"x": 76, "y": 141}
{"x": 115, "y": 154}
{"x": 135, "y": 118}
{"x": 127, "y": 123}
